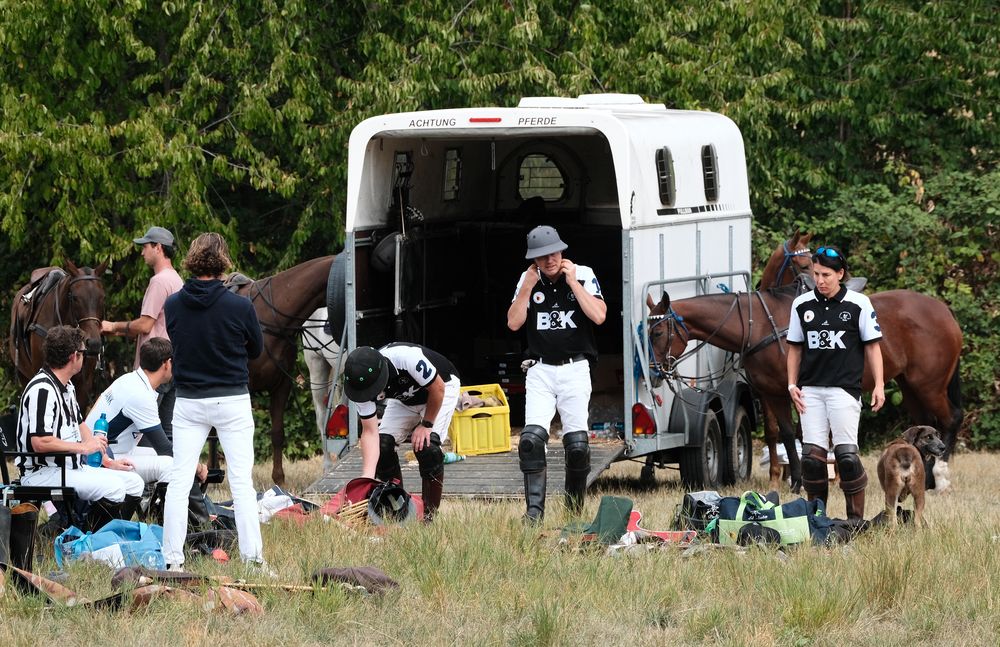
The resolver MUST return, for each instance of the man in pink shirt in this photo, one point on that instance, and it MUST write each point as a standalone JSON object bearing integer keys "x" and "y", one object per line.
{"x": 157, "y": 250}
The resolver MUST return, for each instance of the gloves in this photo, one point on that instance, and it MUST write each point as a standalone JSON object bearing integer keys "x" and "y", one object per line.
{"x": 526, "y": 364}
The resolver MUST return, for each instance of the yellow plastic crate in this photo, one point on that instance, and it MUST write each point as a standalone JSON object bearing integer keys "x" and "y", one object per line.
{"x": 482, "y": 430}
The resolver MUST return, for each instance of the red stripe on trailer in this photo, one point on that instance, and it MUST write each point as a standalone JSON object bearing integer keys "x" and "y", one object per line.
{"x": 484, "y": 120}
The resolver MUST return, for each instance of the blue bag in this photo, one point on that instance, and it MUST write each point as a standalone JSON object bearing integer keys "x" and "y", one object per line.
{"x": 120, "y": 543}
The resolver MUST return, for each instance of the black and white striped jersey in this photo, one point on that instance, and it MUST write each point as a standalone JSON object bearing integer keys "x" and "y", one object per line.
{"x": 47, "y": 409}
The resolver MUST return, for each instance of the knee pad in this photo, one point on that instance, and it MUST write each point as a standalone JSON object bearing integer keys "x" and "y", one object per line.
{"x": 853, "y": 477}
{"x": 848, "y": 462}
{"x": 531, "y": 449}
{"x": 577, "y": 447}
{"x": 431, "y": 458}
{"x": 813, "y": 463}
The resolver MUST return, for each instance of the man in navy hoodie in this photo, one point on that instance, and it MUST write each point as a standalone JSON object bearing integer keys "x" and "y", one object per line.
{"x": 214, "y": 333}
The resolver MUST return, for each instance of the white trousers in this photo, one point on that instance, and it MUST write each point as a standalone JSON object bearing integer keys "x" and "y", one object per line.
{"x": 148, "y": 465}
{"x": 233, "y": 420}
{"x": 564, "y": 388}
{"x": 399, "y": 419}
{"x": 830, "y": 411}
{"x": 91, "y": 483}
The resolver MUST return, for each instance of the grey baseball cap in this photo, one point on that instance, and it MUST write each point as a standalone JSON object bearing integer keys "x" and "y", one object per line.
{"x": 542, "y": 241}
{"x": 156, "y": 235}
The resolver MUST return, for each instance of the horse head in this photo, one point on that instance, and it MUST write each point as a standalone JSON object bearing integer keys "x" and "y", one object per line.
{"x": 788, "y": 260}
{"x": 83, "y": 294}
{"x": 667, "y": 336}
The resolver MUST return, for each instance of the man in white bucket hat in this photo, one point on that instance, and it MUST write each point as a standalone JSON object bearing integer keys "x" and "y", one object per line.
{"x": 560, "y": 302}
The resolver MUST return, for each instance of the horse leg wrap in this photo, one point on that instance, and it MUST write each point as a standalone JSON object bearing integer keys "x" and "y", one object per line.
{"x": 431, "y": 461}
{"x": 814, "y": 473}
{"x": 577, "y": 447}
{"x": 531, "y": 457}
{"x": 388, "y": 467}
{"x": 853, "y": 479}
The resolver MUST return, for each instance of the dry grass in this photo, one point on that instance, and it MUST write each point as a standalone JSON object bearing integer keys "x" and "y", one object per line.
{"x": 478, "y": 577}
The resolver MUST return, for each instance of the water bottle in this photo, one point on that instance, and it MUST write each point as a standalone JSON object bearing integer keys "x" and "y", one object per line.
{"x": 100, "y": 429}
{"x": 452, "y": 457}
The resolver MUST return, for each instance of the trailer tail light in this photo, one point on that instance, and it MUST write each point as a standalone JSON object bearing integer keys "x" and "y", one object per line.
{"x": 642, "y": 422}
{"x": 336, "y": 426}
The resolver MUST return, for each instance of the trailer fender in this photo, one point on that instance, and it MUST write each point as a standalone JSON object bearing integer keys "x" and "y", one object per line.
{"x": 687, "y": 413}
{"x": 734, "y": 394}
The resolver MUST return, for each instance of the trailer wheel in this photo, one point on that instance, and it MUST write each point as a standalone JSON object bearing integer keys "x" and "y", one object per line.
{"x": 701, "y": 467}
{"x": 738, "y": 462}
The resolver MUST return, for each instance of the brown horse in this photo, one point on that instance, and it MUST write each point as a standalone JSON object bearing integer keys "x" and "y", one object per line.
{"x": 54, "y": 297}
{"x": 283, "y": 303}
{"x": 921, "y": 345}
{"x": 788, "y": 260}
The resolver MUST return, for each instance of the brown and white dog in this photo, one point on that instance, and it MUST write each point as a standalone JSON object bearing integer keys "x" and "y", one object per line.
{"x": 901, "y": 470}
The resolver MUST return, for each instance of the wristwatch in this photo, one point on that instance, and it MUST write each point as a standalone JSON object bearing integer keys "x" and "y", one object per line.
{"x": 427, "y": 423}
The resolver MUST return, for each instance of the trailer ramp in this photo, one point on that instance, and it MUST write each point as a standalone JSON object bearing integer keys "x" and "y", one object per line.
{"x": 488, "y": 476}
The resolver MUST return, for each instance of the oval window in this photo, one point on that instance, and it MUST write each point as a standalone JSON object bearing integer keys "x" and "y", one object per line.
{"x": 541, "y": 176}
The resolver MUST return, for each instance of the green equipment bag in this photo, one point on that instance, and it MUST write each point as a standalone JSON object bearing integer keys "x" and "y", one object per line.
{"x": 792, "y": 523}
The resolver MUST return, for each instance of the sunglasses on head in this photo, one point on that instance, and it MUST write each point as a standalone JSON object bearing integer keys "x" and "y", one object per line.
{"x": 828, "y": 251}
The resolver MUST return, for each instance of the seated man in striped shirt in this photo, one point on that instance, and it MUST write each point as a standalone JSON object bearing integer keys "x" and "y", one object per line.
{"x": 49, "y": 421}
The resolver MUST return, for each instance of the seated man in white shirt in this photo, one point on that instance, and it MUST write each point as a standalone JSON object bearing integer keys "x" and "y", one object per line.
{"x": 130, "y": 406}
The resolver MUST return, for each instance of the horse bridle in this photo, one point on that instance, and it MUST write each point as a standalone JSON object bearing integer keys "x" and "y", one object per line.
{"x": 786, "y": 263}
{"x": 675, "y": 324}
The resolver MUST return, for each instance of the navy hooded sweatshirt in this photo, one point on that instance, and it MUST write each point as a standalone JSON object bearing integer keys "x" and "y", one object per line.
{"x": 214, "y": 333}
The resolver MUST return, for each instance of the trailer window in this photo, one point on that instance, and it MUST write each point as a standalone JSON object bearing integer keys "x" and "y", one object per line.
{"x": 665, "y": 176}
{"x": 452, "y": 173}
{"x": 709, "y": 169}
{"x": 541, "y": 176}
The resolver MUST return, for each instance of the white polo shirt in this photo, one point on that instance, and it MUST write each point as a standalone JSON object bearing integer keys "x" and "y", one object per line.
{"x": 130, "y": 406}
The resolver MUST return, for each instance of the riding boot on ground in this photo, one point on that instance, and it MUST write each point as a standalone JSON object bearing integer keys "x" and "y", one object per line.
{"x": 815, "y": 479}
{"x": 577, "y": 446}
{"x": 23, "y": 522}
{"x": 431, "y": 461}
{"x": 853, "y": 479}
{"x": 387, "y": 469}
{"x": 531, "y": 456}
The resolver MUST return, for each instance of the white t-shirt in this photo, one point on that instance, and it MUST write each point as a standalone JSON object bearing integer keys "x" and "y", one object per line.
{"x": 130, "y": 406}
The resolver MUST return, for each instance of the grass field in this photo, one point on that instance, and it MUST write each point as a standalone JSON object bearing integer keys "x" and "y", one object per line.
{"x": 477, "y": 576}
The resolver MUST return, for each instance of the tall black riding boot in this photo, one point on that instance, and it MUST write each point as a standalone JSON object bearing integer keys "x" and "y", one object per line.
{"x": 198, "y": 516}
{"x": 101, "y": 512}
{"x": 430, "y": 492}
{"x": 577, "y": 446}
{"x": 130, "y": 506}
{"x": 4, "y": 534}
{"x": 531, "y": 455}
{"x": 23, "y": 521}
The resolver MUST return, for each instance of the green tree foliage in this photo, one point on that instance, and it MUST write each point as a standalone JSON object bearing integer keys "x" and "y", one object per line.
{"x": 234, "y": 116}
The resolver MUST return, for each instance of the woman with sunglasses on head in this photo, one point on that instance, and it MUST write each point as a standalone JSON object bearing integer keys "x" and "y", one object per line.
{"x": 832, "y": 333}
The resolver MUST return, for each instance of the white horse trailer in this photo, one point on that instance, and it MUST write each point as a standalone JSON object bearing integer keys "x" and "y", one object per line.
{"x": 438, "y": 206}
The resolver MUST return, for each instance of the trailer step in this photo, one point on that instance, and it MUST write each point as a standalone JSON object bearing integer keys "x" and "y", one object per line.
{"x": 488, "y": 476}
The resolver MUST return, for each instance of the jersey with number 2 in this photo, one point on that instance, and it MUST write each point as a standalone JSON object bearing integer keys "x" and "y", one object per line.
{"x": 412, "y": 368}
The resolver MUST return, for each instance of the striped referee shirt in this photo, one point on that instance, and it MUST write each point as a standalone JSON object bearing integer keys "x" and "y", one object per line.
{"x": 48, "y": 408}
